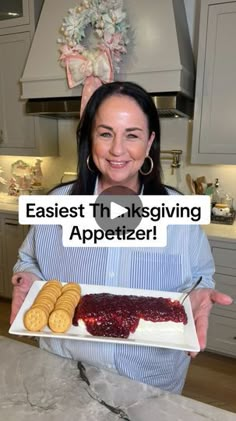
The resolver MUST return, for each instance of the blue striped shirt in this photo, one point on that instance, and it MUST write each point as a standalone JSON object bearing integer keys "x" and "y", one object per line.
{"x": 171, "y": 268}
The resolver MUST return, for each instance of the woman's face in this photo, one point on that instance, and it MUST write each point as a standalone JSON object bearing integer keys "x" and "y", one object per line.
{"x": 120, "y": 141}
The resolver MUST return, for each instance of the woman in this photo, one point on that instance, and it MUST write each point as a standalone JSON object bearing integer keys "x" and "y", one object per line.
{"x": 119, "y": 144}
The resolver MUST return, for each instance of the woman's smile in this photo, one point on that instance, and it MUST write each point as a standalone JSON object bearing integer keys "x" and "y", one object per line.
{"x": 118, "y": 164}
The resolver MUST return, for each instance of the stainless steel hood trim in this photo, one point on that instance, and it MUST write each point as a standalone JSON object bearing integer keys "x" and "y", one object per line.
{"x": 171, "y": 105}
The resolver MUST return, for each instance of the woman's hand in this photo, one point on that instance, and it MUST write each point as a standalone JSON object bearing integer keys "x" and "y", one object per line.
{"x": 202, "y": 300}
{"x": 22, "y": 282}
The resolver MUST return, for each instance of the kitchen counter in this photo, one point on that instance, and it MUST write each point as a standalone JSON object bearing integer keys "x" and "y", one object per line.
{"x": 8, "y": 204}
{"x": 220, "y": 232}
{"x": 9, "y": 207}
{"x": 37, "y": 385}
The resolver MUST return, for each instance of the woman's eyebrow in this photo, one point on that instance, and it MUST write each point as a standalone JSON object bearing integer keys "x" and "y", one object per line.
{"x": 131, "y": 129}
{"x": 103, "y": 126}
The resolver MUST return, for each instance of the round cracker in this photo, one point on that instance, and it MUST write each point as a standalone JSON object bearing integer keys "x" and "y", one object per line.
{"x": 49, "y": 295}
{"x": 53, "y": 289}
{"x": 71, "y": 286}
{"x": 71, "y": 296}
{"x": 65, "y": 306}
{"x": 59, "y": 321}
{"x": 35, "y": 319}
{"x": 44, "y": 302}
{"x": 53, "y": 282}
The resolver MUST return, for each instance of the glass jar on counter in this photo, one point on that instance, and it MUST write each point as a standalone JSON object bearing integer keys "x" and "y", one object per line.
{"x": 228, "y": 200}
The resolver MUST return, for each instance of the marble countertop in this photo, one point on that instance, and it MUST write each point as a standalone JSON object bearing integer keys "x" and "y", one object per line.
{"x": 220, "y": 232}
{"x": 39, "y": 386}
{"x": 8, "y": 204}
{"x": 9, "y": 208}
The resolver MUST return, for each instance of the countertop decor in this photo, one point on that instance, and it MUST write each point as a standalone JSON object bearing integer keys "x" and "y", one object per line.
{"x": 37, "y": 385}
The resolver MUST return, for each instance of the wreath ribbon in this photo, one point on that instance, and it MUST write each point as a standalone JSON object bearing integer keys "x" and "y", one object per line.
{"x": 96, "y": 66}
{"x": 92, "y": 71}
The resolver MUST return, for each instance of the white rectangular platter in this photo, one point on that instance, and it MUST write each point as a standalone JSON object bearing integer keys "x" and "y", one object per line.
{"x": 146, "y": 335}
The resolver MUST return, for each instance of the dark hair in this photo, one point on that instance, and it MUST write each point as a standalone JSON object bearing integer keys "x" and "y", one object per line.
{"x": 86, "y": 180}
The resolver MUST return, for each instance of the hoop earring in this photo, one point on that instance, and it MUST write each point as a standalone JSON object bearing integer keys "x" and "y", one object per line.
{"x": 150, "y": 169}
{"x": 88, "y": 166}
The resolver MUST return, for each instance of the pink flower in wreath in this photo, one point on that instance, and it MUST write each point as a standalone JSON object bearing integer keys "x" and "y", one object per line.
{"x": 115, "y": 43}
{"x": 68, "y": 51}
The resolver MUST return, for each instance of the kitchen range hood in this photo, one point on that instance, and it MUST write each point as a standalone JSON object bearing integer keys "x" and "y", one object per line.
{"x": 159, "y": 58}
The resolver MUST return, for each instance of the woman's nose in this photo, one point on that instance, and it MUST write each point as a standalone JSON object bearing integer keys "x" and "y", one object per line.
{"x": 117, "y": 146}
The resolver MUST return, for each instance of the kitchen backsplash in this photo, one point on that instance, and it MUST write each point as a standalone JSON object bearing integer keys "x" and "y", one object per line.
{"x": 176, "y": 134}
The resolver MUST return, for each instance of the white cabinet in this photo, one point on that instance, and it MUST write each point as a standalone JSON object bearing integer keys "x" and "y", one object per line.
{"x": 214, "y": 125}
{"x": 222, "y": 322}
{"x": 20, "y": 134}
{"x": 14, "y": 13}
{"x": 12, "y": 235}
{"x": 19, "y": 15}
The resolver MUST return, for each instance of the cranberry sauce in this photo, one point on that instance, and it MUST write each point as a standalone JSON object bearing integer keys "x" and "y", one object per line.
{"x": 118, "y": 315}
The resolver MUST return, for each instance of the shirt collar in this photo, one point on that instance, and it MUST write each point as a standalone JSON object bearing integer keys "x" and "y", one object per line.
{"x": 96, "y": 189}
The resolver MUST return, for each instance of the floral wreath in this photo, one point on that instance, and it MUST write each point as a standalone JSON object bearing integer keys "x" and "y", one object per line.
{"x": 96, "y": 65}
